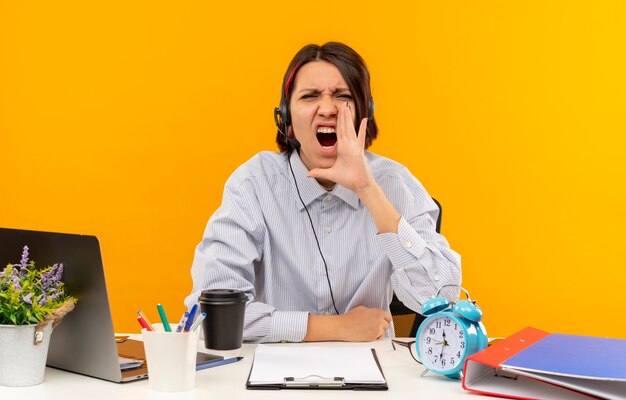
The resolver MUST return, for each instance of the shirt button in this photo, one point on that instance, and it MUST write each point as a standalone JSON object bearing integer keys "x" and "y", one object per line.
{"x": 407, "y": 245}
{"x": 328, "y": 229}
{"x": 436, "y": 277}
{"x": 328, "y": 198}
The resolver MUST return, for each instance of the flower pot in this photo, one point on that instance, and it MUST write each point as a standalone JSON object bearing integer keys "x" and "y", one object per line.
{"x": 23, "y": 354}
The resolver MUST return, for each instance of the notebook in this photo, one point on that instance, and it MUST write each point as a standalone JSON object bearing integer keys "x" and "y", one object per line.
{"x": 84, "y": 342}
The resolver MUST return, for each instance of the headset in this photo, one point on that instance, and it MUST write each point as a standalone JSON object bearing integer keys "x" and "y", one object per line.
{"x": 282, "y": 119}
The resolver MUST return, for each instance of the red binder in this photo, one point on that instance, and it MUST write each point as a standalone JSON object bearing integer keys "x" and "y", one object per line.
{"x": 533, "y": 364}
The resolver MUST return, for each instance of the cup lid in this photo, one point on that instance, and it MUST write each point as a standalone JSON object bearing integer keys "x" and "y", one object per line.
{"x": 223, "y": 295}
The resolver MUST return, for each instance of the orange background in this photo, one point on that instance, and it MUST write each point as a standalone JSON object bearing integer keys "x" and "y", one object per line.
{"x": 124, "y": 119}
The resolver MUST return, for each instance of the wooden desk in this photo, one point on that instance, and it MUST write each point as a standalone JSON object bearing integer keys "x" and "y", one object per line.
{"x": 228, "y": 382}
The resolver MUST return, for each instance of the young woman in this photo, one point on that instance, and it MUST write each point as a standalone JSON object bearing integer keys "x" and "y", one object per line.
{"x": 321, "y": 234}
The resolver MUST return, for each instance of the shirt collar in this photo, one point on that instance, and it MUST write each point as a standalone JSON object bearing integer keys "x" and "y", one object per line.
{"x": 310, "y": 189}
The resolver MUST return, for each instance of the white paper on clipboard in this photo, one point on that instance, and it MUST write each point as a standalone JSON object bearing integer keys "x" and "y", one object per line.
{"x": 273, "y": 364}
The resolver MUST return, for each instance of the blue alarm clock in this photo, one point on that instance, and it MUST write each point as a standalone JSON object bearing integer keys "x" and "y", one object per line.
{"x": 450, "y": 333}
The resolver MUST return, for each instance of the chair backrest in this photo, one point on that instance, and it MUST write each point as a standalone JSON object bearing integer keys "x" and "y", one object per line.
{"x": 406, "y": 321}
{"x": 438, "y": 224}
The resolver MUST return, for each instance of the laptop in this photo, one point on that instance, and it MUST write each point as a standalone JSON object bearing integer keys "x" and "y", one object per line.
{"x": 84, "y": 342}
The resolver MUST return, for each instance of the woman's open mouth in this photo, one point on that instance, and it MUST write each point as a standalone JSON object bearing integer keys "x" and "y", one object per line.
{"x": 326, "y": 136}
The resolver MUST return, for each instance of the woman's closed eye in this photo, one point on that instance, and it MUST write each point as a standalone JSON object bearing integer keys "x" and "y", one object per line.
{"x": 309, "y": 96}
{"x": 341, "y": 95}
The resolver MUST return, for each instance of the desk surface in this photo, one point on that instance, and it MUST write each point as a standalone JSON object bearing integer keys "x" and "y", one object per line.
{"x": 228, "y": 382}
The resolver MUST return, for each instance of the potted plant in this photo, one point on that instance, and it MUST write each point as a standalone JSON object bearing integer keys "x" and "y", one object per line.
{"x": 32, "y": 302}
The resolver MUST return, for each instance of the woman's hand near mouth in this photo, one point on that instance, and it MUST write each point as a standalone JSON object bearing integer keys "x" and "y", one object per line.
{"x": 350, "y": 169}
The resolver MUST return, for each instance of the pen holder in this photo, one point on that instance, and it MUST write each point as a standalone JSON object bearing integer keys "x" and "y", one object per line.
{"x": 171, "y": 358}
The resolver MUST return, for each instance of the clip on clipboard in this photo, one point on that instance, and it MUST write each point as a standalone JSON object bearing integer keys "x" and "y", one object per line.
{"x": 314, "y": 381}
{"x": 295, "y": 367}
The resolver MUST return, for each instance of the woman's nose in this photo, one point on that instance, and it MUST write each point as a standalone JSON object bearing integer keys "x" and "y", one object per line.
{"x": 327, "y": 107}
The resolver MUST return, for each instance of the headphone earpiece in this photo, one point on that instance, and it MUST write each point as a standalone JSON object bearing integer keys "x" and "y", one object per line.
{"x": 282, "y": 121}
{"x": 283, "y": 111}
{"x": 278, "y": 118}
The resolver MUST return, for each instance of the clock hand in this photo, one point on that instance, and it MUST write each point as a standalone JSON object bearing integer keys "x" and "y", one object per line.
{"x": 443, "y": 344}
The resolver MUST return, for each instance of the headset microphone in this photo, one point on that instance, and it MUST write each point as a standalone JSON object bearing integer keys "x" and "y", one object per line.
{"x": 294, "y": 143}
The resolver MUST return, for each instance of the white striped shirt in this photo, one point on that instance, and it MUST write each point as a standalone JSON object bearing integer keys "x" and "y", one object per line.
{"x": 260, "y": 241}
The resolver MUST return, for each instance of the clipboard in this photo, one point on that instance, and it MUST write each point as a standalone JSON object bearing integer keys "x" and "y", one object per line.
{"x": 317, "y": 368}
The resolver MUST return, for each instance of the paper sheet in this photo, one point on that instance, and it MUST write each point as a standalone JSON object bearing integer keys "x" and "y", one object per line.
{"x": 272, "y": 364}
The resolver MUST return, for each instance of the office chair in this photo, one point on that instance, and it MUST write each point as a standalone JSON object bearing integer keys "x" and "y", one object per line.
{"x": 406, "y": 321}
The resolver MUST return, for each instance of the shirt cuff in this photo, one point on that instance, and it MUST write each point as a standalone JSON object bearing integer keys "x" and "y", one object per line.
{"x": 288, "y": 326}
{"x": 402, "y": 247}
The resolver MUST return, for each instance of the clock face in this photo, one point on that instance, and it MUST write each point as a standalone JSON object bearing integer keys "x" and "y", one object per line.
{"x": 442, "y": 343}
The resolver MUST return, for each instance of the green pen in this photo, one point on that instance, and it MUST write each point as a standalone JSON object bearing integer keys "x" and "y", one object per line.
{"x": 166, "y": 324}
